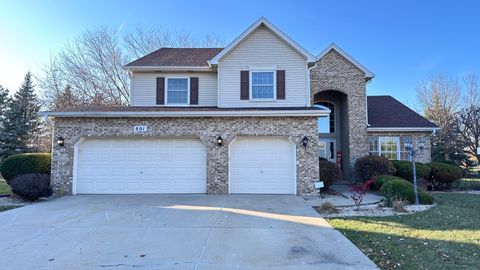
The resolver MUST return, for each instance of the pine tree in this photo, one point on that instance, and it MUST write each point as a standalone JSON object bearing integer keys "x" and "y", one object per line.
{"x": 4, "y": 100}
{"x": 21, "y": 123}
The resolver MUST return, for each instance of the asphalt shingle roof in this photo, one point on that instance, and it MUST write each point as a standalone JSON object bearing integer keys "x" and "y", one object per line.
{"x": 177, "y": 57}
{"x": 386, "y": 111}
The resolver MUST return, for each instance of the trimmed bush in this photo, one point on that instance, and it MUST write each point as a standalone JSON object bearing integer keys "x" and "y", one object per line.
{"x": 443, "y": 175}
{"x": 31, "y": 186}
{"x": 382, "y": 179}
{"x": 369, "y": 166}
{"x": 25, "y": 163}
{"x": 405, "y": 169}
{"x": 400, "y": 188}
{"x": 329, "y": 172}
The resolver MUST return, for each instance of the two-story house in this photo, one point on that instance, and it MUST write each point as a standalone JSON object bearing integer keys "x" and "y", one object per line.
{"x": 252, "y": 117}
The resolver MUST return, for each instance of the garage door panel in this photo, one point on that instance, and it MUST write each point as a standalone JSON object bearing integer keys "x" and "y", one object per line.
{"x": 262, "y": 165}
{"x": 115, "y": 166}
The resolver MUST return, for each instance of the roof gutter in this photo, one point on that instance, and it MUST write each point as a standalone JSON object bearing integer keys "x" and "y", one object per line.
{"x": 168, "y": 68}
{"x": 403, "y": 129}
{"x": 253, "y": 113}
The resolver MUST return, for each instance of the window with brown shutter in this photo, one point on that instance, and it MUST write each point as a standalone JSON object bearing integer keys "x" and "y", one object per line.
{"x": 244, "y": 85}
{"x": 280, "y": 84}
{"x": 193, "y": 91}
{"x": 160, "y": 90}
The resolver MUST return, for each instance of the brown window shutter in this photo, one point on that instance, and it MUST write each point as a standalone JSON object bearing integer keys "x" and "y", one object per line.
{"x": 160, "y": 90}
{"x": 193, "y": 91}
{"x": 280, "y": 84}
{"x": 244, "y": 85}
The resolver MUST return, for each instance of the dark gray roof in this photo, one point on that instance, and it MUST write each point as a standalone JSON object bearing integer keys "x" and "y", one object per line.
{"x": 387, "y": 112}
{"x": 177, "y": 57}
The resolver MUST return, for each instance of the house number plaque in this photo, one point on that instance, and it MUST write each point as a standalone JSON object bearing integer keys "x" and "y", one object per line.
{"x": 139, "y": 129}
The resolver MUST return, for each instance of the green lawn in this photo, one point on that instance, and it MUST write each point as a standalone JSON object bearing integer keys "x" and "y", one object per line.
{"x": 445, "y": 237}
{"x": 4, "y": 187}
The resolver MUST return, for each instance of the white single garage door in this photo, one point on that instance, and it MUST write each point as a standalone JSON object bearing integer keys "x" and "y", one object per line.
{"x": 134, "y": 166}
{"x": 262, "y": 165}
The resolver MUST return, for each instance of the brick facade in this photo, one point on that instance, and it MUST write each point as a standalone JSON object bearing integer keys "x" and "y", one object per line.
{"x": 425, "y": 156}
{"x": 207, "y": 129}
{"x": 334, "y": 72}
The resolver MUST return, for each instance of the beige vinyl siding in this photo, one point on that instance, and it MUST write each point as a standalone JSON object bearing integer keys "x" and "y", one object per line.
{"x": 143, "y": 92}
{"x": 263, "y": 49}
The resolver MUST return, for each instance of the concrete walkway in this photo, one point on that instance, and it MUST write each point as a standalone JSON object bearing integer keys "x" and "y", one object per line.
{"x": 174, "y": 232}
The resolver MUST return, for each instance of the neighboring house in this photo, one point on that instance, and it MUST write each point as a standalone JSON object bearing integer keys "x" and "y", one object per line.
{"x": 249, "y": 118}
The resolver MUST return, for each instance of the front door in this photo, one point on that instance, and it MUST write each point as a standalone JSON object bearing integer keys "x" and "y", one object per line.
{"x": 327, "y": 149}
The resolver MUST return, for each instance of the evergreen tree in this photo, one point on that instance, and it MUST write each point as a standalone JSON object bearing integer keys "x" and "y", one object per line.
{"x": 21, "y": 123}
{"x": 4, "y": 100}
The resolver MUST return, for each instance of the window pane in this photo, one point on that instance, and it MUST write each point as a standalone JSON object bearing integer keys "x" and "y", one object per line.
{"x": 331, "y": 120}
{"x": 177, "y": 91}
{"x": 262, "y": 91}
{"x": 323, "y": 125}
{"x": 322, "y": 146}
{"x": 262, "y": 85}
{"x": 389, "y": 147}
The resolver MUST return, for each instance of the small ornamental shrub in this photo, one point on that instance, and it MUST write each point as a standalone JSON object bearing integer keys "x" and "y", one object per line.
{"x": 382, "y": 179}
{"x": 369, "y": 166}
{"x": 327, "y": 208}
{"x": 25, "y": 163}
{"x": 405, "y": 169}
{"x": 31, "y": 186}
{"x": 329, "y": 172}
{"x": 398, "y": 205}
{"x": 402, "y": 189}
{"x": 359, "y": 191}
{"x": 443, "y": 175}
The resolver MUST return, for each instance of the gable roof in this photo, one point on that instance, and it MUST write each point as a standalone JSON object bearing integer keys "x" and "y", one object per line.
{"x": 263, "y": 22}
{"x": 387, "y": 113}
{"x": 176, "y": 57}
{"x": 333, "y": 46}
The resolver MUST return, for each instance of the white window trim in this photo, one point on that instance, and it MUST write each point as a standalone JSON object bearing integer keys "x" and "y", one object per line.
{"x": 397, "y": 139}
{"x": 166, "y": 93}
{"x": 274, "y": 71}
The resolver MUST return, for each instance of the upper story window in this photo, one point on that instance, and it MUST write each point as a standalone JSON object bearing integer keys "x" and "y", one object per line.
{"x": 327, "y": 125}
{"x": 177, "y": 91}
{"x": 390, "y": 147}
{"x": 262, "y": 85}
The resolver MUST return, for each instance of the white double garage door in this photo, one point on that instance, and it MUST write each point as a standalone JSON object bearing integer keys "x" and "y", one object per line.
{"x": 257, "y": 165}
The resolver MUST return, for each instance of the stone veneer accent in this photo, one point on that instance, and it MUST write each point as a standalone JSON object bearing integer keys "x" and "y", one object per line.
{"x": 425, "y": 156}
{"x": 207, "y": 129}
{"x": 334, "y": 72}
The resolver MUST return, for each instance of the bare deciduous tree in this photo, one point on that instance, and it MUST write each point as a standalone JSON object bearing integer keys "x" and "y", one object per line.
{"x": 144, "y": 41}
{"x": 92, "y": 64}
{"x": 469, "y": 129}
{"x": 440, "y": 98}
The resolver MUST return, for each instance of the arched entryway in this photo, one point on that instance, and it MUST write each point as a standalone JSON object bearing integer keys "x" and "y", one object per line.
{"x": 333, "y": 132}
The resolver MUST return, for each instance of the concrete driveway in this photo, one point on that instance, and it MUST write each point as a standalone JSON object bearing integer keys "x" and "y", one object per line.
{"x": 173, "y": 232}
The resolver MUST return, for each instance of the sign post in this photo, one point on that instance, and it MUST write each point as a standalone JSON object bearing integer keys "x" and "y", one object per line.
{"x": 319, "y": 185}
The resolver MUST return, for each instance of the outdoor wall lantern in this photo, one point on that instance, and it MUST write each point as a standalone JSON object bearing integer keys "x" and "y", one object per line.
{"x": 413, "y": 154}
{"x": 219, "y": 141}
{"x": 60, "y": 141}
{"x": 305, "y": 142}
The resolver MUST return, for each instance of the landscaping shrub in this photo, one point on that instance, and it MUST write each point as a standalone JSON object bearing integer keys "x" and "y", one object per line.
{"x": 400, "y": 188}
{"x": 329, "y": 172}
{"x": 382, "y": 179}
{"x": 31, "y": 186}
{"x": 25, "y": 163}
{"x": 443, "y": 175}
{"x": 405, "y": 169}
{"x": 369, "y": 166}
{"x": 327, "y": 208}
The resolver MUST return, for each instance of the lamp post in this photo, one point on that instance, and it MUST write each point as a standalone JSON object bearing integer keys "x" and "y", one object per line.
{"x": 413, "y": 153}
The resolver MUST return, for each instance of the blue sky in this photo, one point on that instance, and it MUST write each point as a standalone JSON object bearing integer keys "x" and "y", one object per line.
{"x": 402, "y": 42}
